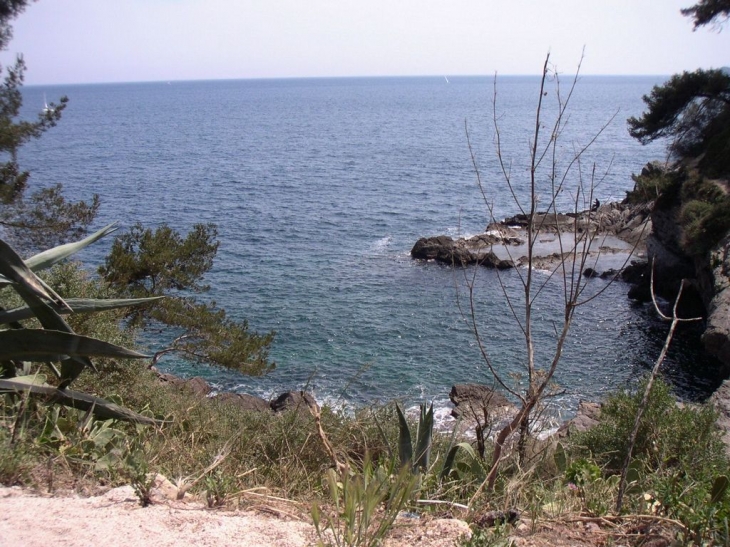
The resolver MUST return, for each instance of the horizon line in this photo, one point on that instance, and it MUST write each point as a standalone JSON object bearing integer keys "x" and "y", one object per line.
{"x": 273, "y": 78}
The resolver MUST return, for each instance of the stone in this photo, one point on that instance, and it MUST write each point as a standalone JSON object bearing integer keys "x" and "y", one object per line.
{"x": 245, "y": 401}
{"x": 471, "y": 399}
{"x": 294, "y": 400}
{"x": 586, "y": 418}
{"x": 198, "y": 386}
{"x": 442, "y": 249}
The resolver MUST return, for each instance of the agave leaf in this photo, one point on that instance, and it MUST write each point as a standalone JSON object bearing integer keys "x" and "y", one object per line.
{"x": 48, "y": 258}
{"x": 425, "y": 434}
{"x": 451, "y": 456}
{"x": 47, "y": 345}
{"x": 16, "y": 271}
{"x": 71, "y": 367}
{"x": 404, "y": 439}
{"x": 78, "y": 305}
{"x": 100, "y": 407}
{"x": 36, "y": 379}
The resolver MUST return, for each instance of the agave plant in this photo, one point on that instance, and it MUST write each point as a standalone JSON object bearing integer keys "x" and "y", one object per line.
{"x": 420, "y": 460}
{"x": 65, "y": 353}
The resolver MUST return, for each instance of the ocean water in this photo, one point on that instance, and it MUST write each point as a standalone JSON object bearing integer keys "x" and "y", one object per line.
{"x": 320, "y": 187}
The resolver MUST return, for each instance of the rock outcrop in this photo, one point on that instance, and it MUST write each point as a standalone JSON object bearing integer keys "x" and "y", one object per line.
{"x": 460, "y": 252}
{"x": 476, "y": 400}
{"x": 504, "y": 244}
{"x": 716, "y": 337}
{"x": 199, "y": 387}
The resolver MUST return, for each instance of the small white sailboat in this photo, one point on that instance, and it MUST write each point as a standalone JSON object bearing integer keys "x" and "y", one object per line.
{"x": 46, "y": 109}
{"x": 447, "y": 80}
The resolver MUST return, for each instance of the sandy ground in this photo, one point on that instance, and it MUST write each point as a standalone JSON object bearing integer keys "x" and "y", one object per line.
{"x": 116, "y": 519}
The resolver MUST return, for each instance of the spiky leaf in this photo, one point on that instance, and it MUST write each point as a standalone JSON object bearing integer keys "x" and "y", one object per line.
{"x": 47, "y": 345}
{"x": 451, "y": 456}
{"x": 425, "y": 434}
{"x": 16, "y": 271}
{"x": 100, "y": 407}
{"x": 48, "y": 258}
{"x": 78, "y": 305}
{"x": 405, "y": 445}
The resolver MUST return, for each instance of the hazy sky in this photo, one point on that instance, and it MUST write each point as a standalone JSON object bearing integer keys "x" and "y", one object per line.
{"x": 80, "y": 41}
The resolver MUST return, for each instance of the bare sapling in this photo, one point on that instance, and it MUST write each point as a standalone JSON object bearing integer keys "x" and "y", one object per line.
{"x": 674, "y": 321}
{"x": 553, "y": 169}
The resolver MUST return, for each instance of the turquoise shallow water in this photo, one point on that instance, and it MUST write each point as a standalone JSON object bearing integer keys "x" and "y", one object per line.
{"x": 320, "y": 187}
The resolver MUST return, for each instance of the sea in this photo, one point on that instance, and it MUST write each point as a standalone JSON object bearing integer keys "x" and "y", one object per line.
{"x": 320, "y": 187}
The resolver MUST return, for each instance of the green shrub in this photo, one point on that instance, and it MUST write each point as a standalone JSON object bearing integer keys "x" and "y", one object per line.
{"x": 670, "y": 436}
{"x": 651, "y": 186}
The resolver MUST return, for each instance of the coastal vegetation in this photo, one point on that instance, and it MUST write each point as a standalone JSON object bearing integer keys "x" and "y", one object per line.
{"x": 352, "y": 473}
{"x": 692, "y": 112}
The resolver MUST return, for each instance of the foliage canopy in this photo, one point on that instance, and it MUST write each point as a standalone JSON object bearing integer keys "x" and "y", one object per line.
{"x": 47, "y": 218}
{"x": 161, "y": 262}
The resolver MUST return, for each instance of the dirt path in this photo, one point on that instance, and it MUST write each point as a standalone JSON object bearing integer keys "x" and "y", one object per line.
{"x": 116, "y": 519}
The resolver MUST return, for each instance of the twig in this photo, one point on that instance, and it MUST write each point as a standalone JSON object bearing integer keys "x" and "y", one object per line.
{"x": 443, "y": 502}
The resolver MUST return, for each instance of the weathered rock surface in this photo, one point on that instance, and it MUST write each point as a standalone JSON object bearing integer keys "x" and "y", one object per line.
{"x": 716, "y": 337}
{"x": 197, "y": 385}
{"x": 587, "y": 417}
{"x": 294, "y": 400}
{"x": 721, "y": 400}
{"x": 472, "y": 400}
{"x": 291, "y": 400}
{"x": 245, "y": 401}
{"x": 460, "y": 252}
{"x": 503, "y": 241}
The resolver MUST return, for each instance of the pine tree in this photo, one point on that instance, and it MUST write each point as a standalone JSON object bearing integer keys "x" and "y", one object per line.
{"x": 45, "y": 218}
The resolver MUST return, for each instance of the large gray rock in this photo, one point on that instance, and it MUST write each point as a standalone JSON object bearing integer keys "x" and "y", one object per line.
{"x": 294, "y": 400}
{"x": 442, "y": 249}
{"x": 716, "y": 338}
{"x": 586, "y": 418}
{"x": 197, "y": 385}
{"x": 460, "y": 252}
{"x": 245, "y": 401}
{"x": 721, "y": 400}
{"x": 471, "y": 400}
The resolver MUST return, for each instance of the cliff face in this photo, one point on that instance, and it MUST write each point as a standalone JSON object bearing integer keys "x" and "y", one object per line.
{"x": 708, "y": 272}
{"x": 714, "y": 280}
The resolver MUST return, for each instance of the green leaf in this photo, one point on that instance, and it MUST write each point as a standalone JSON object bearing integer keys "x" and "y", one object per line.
{"x": 404, "y": 439}
{"x": 78, "y": 305}
{"x": 72, "y": 367}
{"x": 423, "y": 443}
{"x": 718, "y": 488}
{"x": 48, "y": 258}
{"x": 560, "y": 458}
{"x": 15, "y": 270}
{"x": 32, "y": 379}
{"x": 451, "y": 456}
{"x": 100, "y": 407}
{"x": 39, "y": 345}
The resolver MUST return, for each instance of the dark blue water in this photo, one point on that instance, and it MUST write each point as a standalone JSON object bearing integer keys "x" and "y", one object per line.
{"x": 321, "y": 186}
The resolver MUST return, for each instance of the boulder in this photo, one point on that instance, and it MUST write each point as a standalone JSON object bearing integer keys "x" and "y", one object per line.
{"x": 442, "y": 249}
{"x": 471, "y": 400}
{"x": 586, "y": 418}
{"x": 721, "y": 400}
{"x": 294, "y": 400}
{"x": 197, "y": 385}
{"x": 245, "y": 401}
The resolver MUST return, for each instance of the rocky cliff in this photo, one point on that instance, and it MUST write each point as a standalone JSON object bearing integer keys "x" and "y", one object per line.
{"x": 688, "y": 241}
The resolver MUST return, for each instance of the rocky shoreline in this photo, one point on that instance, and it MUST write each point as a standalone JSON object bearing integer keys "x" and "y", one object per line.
{"x": 650, "y": 233}
{"x": 616, "y": 230}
